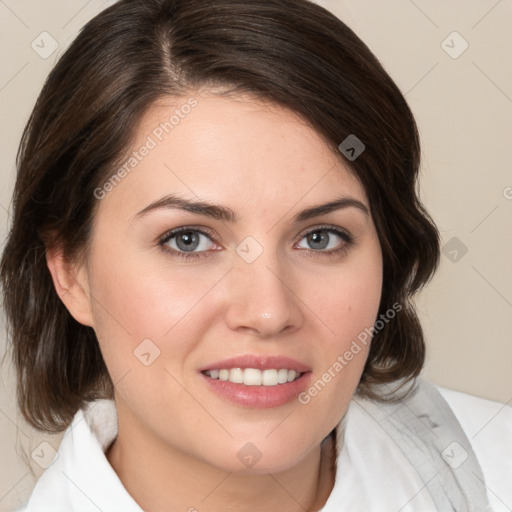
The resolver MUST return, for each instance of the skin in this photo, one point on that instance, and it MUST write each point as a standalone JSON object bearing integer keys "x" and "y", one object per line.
{"x": 178, "y": 440}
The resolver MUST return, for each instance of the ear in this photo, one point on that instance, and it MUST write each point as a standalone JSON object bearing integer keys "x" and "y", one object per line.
{"x": 71, "y": 284}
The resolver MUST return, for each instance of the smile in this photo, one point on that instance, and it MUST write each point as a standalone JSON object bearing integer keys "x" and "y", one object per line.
{"x": 253, "y": 376}
{"x": 257, "y": 380}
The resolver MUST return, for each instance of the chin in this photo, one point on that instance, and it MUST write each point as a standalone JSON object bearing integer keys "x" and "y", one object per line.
{"x": 261, "y": 456}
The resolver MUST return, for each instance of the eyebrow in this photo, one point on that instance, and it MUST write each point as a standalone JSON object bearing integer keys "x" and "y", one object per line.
{"x": 225, "y": 213}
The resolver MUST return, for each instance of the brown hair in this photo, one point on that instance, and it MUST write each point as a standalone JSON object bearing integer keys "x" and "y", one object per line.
{"x": 290, "y": 52}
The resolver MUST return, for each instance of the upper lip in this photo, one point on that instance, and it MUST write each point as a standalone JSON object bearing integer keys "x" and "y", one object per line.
{"x": 258, "y": 362}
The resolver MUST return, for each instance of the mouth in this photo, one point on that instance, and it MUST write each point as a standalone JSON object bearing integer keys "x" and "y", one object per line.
{"x": 257, "y": 381}
{"x": 253, "y": 376}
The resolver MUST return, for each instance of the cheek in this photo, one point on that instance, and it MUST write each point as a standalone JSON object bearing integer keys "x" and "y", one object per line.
{"x": 350, "y": 306}
{"x": 347, "y": 300}
{"x": 135, "y": 301}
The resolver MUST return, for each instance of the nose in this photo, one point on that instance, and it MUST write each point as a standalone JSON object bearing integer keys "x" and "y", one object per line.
{"x": 261, "y": 299}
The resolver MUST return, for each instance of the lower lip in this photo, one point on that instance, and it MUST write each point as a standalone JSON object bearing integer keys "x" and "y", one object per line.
{"x": 259, "y": 397}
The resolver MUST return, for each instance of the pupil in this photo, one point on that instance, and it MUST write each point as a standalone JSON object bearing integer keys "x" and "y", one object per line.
{"x": 318, "y": 240}
{"x": 187, "y": 241}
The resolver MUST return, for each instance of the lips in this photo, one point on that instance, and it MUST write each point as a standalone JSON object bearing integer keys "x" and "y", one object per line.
{"x": 259, "y": 363}
{"x": 257, "y": 381}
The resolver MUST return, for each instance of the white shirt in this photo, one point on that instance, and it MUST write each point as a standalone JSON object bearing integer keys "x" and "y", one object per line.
{"x": 411, "y": 456}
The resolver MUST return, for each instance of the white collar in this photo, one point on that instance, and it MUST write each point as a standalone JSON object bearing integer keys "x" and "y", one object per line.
{"x": 81, "y": 479}
{"x": 372, "y": 468}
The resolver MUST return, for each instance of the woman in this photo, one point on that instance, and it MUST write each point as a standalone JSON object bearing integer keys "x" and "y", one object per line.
{"x": 209, "y": 278}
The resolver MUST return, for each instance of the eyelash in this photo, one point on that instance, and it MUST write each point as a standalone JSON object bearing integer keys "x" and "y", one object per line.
{"x": 344, "y": 235}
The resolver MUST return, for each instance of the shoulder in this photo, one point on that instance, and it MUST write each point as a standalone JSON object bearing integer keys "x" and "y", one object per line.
{"x": 80, "y": 479}
{"x": 422, "y": 425}
{"x": 21, "y": 508}
{"x": 488, "y": 426}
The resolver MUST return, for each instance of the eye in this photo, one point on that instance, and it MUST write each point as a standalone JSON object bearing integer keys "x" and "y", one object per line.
{"x": 325, "y": 240}
{"x": 187, "y": 242}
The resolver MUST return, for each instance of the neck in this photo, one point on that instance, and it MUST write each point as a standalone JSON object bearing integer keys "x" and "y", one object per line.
{"x": 162, "y": 478}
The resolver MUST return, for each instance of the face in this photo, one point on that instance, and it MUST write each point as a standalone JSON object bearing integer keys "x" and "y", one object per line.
{"x": 259, "y": 289}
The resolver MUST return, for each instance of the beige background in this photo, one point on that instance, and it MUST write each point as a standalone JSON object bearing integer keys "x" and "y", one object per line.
{"x": 463, "y": 106}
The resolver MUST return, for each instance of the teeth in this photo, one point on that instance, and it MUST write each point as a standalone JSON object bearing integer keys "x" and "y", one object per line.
{"x": 269, "y": 378}
{"x": 254, "y": 377}
{"x": 282, "y": 376}
{"x": 236, "y": 375}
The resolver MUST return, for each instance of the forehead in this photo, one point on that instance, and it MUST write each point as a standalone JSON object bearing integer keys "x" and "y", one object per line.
{"x": 237, "y": 151}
